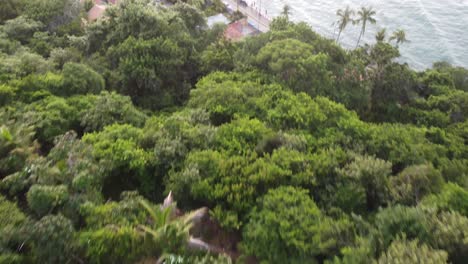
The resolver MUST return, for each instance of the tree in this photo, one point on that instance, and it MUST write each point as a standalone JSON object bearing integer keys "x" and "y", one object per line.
{"x": 44, "y": 199}
{"x": 287, "y": 227}
{"x": 399, "y": 36}
{"x": 151, "y": 71}
{"x": 80, "y": 79}
{"x": 52, "y": 234}
{"x": 452, "y": 197}
{"x": 414, "y": 182}
{"x": 286, "y": 11}
{"x": 296, "y": 64}
{"x": 412, "y": 252}
{"x": 380, "y": 36}
{"x": 53, "y": 13}
{"x": 396, "y": 221}
{"x": 450, "y": 233}
{"x": 110, "y": 108}
{"x": 21, "y": 28}
{"x": 17, "y": 145}
{"x": 365, "y": 15}
{"x": 11, "y": 9}
{"x": 219, "y": 56}
{"x": 372, "y": 174}
{"x": 345, "y": 17}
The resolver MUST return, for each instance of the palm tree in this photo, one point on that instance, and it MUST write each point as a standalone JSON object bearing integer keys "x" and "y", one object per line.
{"x": 365, "y": 15}
{"x": 399, "y": 36}
{"x": 345, "y": 17}
{"x": 286, "y": 11}
{"x": 380, "y": 36}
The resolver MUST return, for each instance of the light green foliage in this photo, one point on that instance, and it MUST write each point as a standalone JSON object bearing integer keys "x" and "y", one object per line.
{"x": 9, "y": 214}
{"x": 287, "y": 226}
{"x": 126, "y": 212}
{"x": 80, "y": 79}
{"x": 403, "y": 251}
{"x": 124, "y": 162}
{"x": 450, "y": 233}
{"x": 110, "y": 108}
{"x": 21, "y": 64}
{"x": 16, "y": 145}
{"x": 225, "y": 95}
{"x": 452, "y": 197}
{"x": 51, "y": 117}
{"x": 414, "y": 182}
{"x": 37, "y": 86}
{"x": 121, "y": 140}
{"x": 113, "y": 244}
{"x": 241, "y": 135}
{"x": 219, "y": 56}
{"x": 44, "y": 199}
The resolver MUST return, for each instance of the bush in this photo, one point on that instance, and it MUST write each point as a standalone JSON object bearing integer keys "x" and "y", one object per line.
{"x": 287, "y": 227}
{"x": 81, "y": 79}
{"x": 414, "y": 182}
{"x": 412, "y": 252}
{"x": 113, "y": 244}
{"x": 44, "y": 199}
{"x": 452, "y": 197}
{"x": 53, "y": 239}
{"x": 110, "y": 108}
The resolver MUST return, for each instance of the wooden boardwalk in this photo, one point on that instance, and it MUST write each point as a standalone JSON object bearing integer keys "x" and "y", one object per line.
{"x": 258, "y": 20}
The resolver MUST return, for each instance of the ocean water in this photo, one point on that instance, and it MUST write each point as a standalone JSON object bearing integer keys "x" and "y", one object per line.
{"x": 437, "y": 29}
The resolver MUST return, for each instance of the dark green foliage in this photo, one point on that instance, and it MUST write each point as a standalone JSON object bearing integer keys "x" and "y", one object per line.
{"x": 392, "y": 222}
{"x": 151, "y": 71}
{"x": 373, "y": 175}
{"x": 44, "y": 199}
{"x": 52, "y": 234}
{"x": 295, "y": 63}
{"x": 80, "y": 79}
{"x": 414, "y": 182}
{"x": 110, "y": 108}
{"x": 21, "y": 28}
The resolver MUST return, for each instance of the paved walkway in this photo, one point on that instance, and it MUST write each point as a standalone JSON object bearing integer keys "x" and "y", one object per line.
{"x": 258, "y": 20}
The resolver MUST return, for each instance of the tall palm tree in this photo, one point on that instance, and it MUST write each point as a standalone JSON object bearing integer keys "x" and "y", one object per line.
{"x": 345, "y": 17}
{"x": 380, "y": 36}
{"x": 399, "y": 36}
{"x": 286, "y": 11}
{"x": 365, "y": 15}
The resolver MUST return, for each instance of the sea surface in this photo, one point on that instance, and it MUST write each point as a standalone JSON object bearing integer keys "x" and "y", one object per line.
{"x": 437, "y": 29}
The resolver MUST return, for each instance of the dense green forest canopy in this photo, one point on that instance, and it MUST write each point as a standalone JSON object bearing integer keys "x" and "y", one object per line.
{"x": 302, "y": 152}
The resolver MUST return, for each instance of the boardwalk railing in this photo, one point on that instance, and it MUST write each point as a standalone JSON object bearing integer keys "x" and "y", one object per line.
{"x": 254, "y": 14}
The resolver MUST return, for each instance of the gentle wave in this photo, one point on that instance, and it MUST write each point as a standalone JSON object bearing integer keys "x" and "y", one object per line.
{"x": 437, "y": 29}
